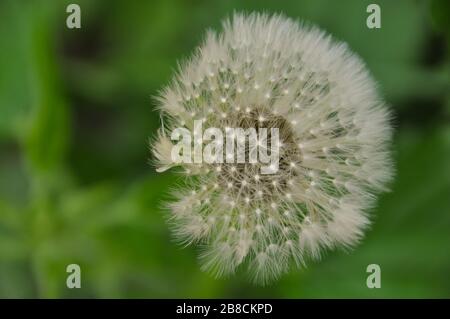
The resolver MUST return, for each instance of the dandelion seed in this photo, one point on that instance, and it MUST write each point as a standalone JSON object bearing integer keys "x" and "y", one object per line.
{"x": 335, "y": 133}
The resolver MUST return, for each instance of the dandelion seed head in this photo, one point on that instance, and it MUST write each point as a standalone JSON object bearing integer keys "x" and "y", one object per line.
{"x": 273, "y": 72}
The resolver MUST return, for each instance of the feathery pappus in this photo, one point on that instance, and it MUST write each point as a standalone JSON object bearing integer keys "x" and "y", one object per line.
{"x": 273, "y": 72}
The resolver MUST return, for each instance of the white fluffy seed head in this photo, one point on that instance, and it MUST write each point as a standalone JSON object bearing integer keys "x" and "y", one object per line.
{"x": 270, "y": 71}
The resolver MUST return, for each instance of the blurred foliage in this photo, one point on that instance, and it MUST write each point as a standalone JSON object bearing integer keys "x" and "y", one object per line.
{"x": 76, "y": 114}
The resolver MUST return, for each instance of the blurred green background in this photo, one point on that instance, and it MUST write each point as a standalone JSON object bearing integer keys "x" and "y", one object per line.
{"x": 76, "y": 115}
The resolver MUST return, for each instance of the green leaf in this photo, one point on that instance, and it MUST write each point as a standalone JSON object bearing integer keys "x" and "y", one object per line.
{"x": 440, "y": 12}
{"x": 14, "y": 89}
{"x": 47, "y": 133}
